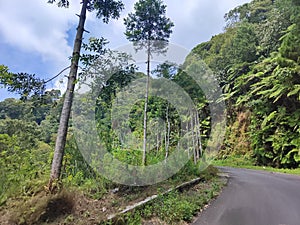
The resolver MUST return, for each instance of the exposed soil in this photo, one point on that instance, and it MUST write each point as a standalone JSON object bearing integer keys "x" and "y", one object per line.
{"x": 73, "y": 207}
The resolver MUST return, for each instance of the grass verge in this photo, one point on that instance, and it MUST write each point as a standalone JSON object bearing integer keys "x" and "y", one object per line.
{"x": 242, "y": 162}
{"x": 176, "y": 207}
{"x": 72, "y": 206}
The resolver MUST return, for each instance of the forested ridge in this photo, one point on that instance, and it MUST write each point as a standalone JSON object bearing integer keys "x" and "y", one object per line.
{"x": 256, "y": 61}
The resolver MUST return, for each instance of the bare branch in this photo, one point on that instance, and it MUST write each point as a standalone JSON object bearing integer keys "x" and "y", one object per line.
{"x": 57, "y": 75}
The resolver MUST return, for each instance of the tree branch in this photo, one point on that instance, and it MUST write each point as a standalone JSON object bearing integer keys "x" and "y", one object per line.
{"x": 57, "y": 75}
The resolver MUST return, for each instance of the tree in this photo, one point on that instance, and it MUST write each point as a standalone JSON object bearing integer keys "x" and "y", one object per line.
{"x": 148, "y": 28}
{"x": 23, "y": 84}
{"x": 257, "y": 61}
{"x": 104, "y": 9}
{"x": 166, "y": 70}
{"x": 35, "y": 108}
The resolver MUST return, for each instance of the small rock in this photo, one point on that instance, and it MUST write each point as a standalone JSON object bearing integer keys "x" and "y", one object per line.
{"x": 115, "y": 190}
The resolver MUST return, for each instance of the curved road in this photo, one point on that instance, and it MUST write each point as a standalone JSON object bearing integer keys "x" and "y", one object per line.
{"x": 255, "y": 198}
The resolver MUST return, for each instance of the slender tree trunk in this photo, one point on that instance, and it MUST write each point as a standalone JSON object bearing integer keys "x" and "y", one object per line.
{"x": 146, "y": 104}
{"x": 197, "y": 137}
{"x": 66, "y": 110}
{"x": 187, "y": 131}
{"x": 193, "y": 138}
{"x": 165, "y": 135}
{"x": 157, "y": 142}
{"x": 158, "y": 138}
{"x": 199, "y": 133}
{"x": 168, "y": 132}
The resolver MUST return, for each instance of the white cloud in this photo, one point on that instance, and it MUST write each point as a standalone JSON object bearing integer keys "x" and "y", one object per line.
{"x": 195, "y": 21}
{"x": 35, "y": 26}
{"x": 198, "y": 20}
{"x": 41, "y": 29}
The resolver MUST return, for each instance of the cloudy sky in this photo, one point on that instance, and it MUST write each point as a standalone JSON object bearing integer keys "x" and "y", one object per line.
{"x": 37, "y": 38}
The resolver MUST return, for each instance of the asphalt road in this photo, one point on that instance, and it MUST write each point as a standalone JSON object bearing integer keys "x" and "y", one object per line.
{"x": 255, "y": 198}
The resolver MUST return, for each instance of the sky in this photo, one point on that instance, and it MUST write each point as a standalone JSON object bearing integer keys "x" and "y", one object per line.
{"x": 37, "y": 37}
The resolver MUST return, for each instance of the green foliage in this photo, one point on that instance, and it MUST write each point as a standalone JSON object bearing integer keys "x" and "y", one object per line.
{"x": 237, "y": 141}
{"x": 245, "y": 162}
{"x": 148, "y": 23}
{"x": 291, "y": 42}
{"x": 24, "y": 166}
{"x": 175, "y": 207}
{"x": 270, "y": 31}
{"x": 61, "y": 3}
{"x": 256, "y": 60}
{"x": 148, "y": 28}
{"x": 78, "y": 173}
{"x": 27, "y": 132}
{"x": 96, "y": 49}
{"x": 25, "y": 157}
{"x": 105, "y": 9}
{"x": 21, "y": 83}
{"x": 273, "y": 95}
{"x": 253, "y": 12}
{"x": 12, "y": 108}
{"x": 241, "y": 47}
{"x": 35, "y": 108}
{"x": 257, "y": 63}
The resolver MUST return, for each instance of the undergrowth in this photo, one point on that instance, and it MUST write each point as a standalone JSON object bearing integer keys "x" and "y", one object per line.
{"x": 176, "y": 207}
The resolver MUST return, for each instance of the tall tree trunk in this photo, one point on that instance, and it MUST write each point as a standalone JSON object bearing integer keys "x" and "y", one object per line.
{"x": 188, "y": 142}
{"x": 165, "y": 135}
{"x": 157, "y": 141}
{"x": 193, "y": 138}
{"x": 168, "y": 132}
{"x": 146, "y": 104}
{"x": 66, "y": 110}
{"x": 199, "y": 134}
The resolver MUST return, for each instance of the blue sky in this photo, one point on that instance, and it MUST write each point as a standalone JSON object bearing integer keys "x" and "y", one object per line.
{"x": 37, "y": 38}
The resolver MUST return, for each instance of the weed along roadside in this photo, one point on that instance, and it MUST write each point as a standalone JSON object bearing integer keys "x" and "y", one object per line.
{"x": 175, "y": 201}
{"x": 177, "y": 205}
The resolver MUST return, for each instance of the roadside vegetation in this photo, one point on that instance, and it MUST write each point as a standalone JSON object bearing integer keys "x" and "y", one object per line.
{"x": 93, "y": 202}
{"x": 76, "y": 193}
{"x": 256, "y": 61}
{"x": 242, "y": 162}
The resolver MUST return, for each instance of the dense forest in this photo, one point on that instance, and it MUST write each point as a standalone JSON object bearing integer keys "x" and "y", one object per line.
{"x": 256, "y": 61}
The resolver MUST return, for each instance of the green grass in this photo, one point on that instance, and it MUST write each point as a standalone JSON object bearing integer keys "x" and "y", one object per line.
{"x": 178, "y": 206}
{"x": 242, "y": 162}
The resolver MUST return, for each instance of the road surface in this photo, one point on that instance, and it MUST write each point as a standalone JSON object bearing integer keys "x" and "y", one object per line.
{"x": 255, "y": 198}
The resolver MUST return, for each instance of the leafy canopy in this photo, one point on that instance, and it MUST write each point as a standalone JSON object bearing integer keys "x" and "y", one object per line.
{"x": 105, "y": 9}
{"x": 148, "y": 24}
{"x": 21, "y": 83}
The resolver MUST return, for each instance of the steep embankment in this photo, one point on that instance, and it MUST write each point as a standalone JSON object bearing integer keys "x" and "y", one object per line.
{"x": 257, "y": 61}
